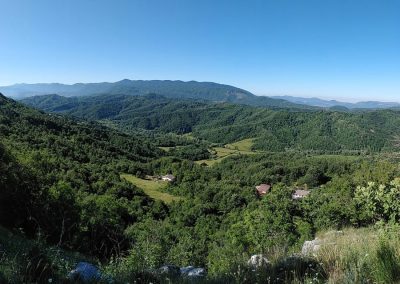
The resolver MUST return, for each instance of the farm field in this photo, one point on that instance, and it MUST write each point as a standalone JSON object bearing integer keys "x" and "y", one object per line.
{"x": 152, "y": 188}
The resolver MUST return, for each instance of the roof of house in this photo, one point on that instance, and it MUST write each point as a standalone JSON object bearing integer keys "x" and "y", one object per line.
{"x": 263, "y": 188}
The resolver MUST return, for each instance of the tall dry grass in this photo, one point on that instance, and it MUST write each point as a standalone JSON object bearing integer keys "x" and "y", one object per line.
{"x": 366, "y": 255}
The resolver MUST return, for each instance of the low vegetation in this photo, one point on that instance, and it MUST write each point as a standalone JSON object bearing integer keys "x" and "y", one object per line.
{"x": 366, "y": 254}
{"x": 32, "y": 261}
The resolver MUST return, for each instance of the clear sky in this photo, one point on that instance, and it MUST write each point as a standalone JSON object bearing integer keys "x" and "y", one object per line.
{"x": 348, "y": 50}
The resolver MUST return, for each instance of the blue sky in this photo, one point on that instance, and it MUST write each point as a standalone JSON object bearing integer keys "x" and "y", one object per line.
{"x": 348, "y": 50}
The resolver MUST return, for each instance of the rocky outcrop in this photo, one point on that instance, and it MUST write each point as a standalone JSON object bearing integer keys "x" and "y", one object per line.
{"x": 258, "y": 261}
{"x": 169, "y": 270}
{"x": 174, "y": 271}
{"x": 311, "y": 248}
{"x": 190, "y": 271}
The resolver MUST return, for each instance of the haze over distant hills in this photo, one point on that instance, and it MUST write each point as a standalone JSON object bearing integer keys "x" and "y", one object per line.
{"x": 334, "y": 103}
{"x": 209, "y": 91}
{"x": 171, "y": 89}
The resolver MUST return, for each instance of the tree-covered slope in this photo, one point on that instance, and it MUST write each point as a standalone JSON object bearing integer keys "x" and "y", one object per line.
{"x": 275, "y": 130}
{"x": 61, "y": 179}
{"x": 172, "y": 89}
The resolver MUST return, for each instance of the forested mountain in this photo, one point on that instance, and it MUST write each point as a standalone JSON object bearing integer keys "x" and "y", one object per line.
{"x": 274, "y": 130}
{"x": 171, "y": 89}
{"x": 334, "y": 103}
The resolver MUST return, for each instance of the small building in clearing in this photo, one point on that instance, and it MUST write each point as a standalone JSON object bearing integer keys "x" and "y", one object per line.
{"x": 300, "y": 193}
{"x": 263, "y": 189}
{"x": 168, "y": 177}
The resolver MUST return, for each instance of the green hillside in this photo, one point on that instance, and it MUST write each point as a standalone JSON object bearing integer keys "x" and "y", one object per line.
{"x": 273, "y": 130}
{"x": 57, "y": 172}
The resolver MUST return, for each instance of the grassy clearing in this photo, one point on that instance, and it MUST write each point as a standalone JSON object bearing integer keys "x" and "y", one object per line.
{"x": 209, "y": 163}
{"x": 189, "y": 136}
{"x": 220, "y": 153}
{"x": 152, "y": 188}
{"x": 242, "y": 147}
{"x": 167, "y": 149}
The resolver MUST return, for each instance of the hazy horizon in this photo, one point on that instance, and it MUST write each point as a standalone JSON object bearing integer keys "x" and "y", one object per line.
{"x": 340, "y": 99}
{"x": 343, "y": 50}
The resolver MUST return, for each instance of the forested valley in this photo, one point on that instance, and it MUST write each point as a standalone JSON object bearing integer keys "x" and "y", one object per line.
{"x": 133, "y": 183}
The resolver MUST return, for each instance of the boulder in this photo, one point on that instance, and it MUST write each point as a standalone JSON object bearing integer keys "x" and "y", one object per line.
{"x": 85, "y": 272}
{"x": 185, "y": 270}
{"x": 173, "y": 271}
{"x": 197, "y": 272}
{"x": 191, "y": 271}
{"x": 311, "y": 247}
{"x": 258, "y": 260}
{"x": 170, "y": 270}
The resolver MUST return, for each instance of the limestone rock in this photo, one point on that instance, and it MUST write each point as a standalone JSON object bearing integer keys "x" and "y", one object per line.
{"x": 191, "y": 271}
{"x": 257, "y": 261}
{"x": 311, "y": 247}
{"x": 170, "y": 270}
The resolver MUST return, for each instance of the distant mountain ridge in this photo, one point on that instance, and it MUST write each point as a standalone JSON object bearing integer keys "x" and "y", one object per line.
{"x": 334, "y": 103}
{"x": 171, "y": 89}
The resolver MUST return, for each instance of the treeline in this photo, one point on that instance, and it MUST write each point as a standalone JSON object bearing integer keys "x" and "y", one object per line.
{"x": 274, "y": 130}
